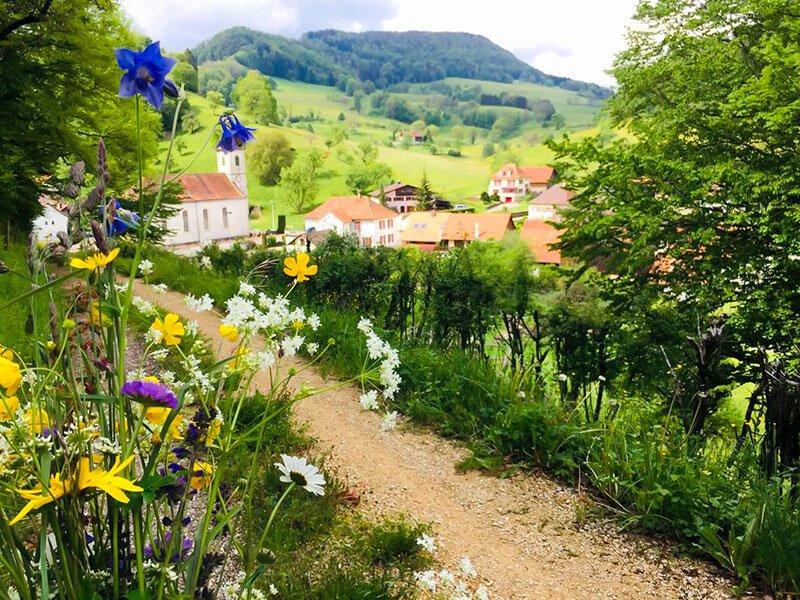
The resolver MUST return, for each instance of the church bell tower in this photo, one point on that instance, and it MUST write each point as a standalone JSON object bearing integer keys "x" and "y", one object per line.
{"x": 233, "y": 165}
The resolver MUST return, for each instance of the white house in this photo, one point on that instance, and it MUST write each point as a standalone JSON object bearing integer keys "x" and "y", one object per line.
{"x": 214, "y": 205}
{"x": 511, "y": 182}
{"x": 363, "y": 217}
{"x": 52, "y": 220}
{"x": 546, "y": 205}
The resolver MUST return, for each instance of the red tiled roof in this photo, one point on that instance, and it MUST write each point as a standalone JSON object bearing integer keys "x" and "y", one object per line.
{"x": 352, "y": 208}
{"x": 538, "y": 235}
{"x": 555, "y": 195}
{"x": 208, "y": 186}
{"x": 461, "y": 227}
{"x": 424, "y": 227}
{"x": 532, "y": 174}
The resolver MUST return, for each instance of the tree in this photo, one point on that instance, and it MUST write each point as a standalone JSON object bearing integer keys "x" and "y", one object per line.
{"x": 252, "y": 94}
{"x": 185, "y": 74}
{"x": 488, "y": 150}
{"x": 358, "y": 97}
{"x": 60, "y": 94}
{"x": 215, "y": 99}
{"x": 424, "y": 195}
{"x": 298, "y": 183}
{"x": 268, "y": 154}
{"x": 190, "y": 122}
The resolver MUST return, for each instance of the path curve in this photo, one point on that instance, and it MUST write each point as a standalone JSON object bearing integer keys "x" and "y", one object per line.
{"x": 521, "y": 533}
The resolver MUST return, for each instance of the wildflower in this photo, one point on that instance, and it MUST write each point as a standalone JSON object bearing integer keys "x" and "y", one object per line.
{"x": 246, "y": 289}
{"x": 298, "y": 267}
{"x": 117, "y": 219}
{"x": 298, "y": 470}
{"x": 314, "y": 322}
{"x": 171, "y": 329}
{"x": 158, "y": 416}
{"x": 601, "y": 378}
{"x": 109, "y": 481}
{"x": 39, "y": 497}
{"x": 203, "y": 304}
{"x": 205, "y": 262}
{"x": 95, "y": 262}
{"x": 482, "y": 593}
{"x": 159, "y": 288}
{"x": 364, "y": 325}
{"x": 562, "y": 377}
{"x": 143, "y": 306}
{"x": 149, "y": 393}
{"x": 98, "y": 317}
{"x": 10, "y": 374}
{"x": 369, "y": 400}
{"x": 290, "y": 345}
{"x": 146, "y": 74}
{"x": 37, "y": 420}
{"x": 229, "y": 332}
{"x": 426, "y": 542}
{"x": 312, "y": 348}
{"x": 426, "y": 579}
{"x": 201, "y": 475}
{"x": 467, "y": 568}
{"x": 446, "y": 577}
{"x": 68, "y": 324}
{"x": 389, "y": 421}
{"x": 145, "y": 267}
{"x": 8, "y": 408}
{"x": 234, "y": 134}
{"x": 273, "y": 590}
{"x": 192, "y": 327}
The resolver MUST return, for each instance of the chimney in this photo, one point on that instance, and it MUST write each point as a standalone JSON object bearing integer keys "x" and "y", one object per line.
{"x": 477, "y": 230}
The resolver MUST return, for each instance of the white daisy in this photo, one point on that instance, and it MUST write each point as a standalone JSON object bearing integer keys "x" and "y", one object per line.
{"x": 297, "y": 470}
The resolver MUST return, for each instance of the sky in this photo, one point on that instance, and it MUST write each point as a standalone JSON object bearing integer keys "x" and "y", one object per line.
{"x": 572, "y": 38}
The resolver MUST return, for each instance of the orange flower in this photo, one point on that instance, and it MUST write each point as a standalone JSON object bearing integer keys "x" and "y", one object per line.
{"x": 298, "y": 267}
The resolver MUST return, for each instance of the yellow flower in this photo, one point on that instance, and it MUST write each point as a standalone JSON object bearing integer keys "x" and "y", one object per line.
{"x": 171, "y": 329}
{"x": 95, "y": 262}
{"x": 99, "y": 318}
{"x": 241, "y": 351}
{"x": 10, "y": 373}
{"x": 37, "y": 419}
{"x": 38, "y": 497}
{"x": 50, "y": 345}
{"x": 109, "y": 481}
{"x": 158, "y": 416}
{"x": 150, "y": 378}
{"x": 202, "y": 474}
{"x": 298, "y": 266}
{"x": 8, "y": 407}
{"x": 229, "y": 332}
{"x": 214, "y": 429}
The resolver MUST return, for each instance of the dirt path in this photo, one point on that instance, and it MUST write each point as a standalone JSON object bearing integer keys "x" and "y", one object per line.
{"x": 521, "y": 533}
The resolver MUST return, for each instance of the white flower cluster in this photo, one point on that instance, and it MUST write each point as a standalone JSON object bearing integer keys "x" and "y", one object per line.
{"x": 202, "y": 304}
{"x": 145, "y": 267}
{"x": 233, "y": 590}
{"x": 446, "y": 582}
{"x": 388, "y": 377}
{"x": 160, "y": 288}
{"x": 205, "y": 262}
{"x": 143, "y": 306}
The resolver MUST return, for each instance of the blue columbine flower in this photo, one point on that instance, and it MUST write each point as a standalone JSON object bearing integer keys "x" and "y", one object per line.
{"x": 149, "y": 393}
{"x": 117, "y": 219}
{"x": 146, "y": 74}
{"x": 234, "y": 134}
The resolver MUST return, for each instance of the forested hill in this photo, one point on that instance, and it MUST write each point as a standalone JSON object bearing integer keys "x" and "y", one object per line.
{"x": 385, "y": 58}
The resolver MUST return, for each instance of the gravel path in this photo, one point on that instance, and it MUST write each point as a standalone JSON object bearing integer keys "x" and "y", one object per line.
{"x": 521, "y": 533}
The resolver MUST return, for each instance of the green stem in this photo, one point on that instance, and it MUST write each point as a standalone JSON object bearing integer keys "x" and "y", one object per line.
{"x": 263, "y": 538}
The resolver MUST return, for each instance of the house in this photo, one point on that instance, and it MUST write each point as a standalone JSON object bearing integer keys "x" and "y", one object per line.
{"x": 365, "y": 218}
{"x": 417, "y": 137}
{"x": 423, "y": 229}
{"x": 213, "y": 205}
{"x": 461, "y": 228}
{"x": 538, "y": 235}
{"x": 54, "y": 219}
{"x": 400, "y": 197}
{"x": 511, "y": 182}
{"x": 546, "y": 205}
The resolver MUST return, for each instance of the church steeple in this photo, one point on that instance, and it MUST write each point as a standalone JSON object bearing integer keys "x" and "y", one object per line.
{"x": 233, "y": 165}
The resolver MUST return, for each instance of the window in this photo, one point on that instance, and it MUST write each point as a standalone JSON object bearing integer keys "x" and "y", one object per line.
{"x": 391, "y": 238}
{"x": 223, "y": 160}
{"x": 224, "y": 217}
{"x": 236, "y": 160}
{"x": 380, "y": 225}
{"x": 390, "y": 223}
{"x": 185, "y": 216}
{"x": 205, "y": 218}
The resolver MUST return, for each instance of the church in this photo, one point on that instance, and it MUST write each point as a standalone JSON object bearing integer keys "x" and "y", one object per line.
{"x": 214, "y": 206}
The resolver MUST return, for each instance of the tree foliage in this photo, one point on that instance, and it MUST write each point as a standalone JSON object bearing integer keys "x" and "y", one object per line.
{"x": 268, "y": 154}
{"x": 253, "y": 95}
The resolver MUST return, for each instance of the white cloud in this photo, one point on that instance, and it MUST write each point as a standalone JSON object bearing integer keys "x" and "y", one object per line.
{"x": 573, "y": 38}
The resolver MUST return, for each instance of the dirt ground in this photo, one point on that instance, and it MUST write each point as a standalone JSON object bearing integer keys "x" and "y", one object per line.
{"x": 522, "y": 533}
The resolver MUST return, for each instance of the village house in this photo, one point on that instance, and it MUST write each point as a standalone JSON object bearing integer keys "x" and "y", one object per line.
{"x": 214, "y": 206}
{"x": 400, "y": 197}
{"x": 546, "y": 205}
{"x": 511, "y": 183}
{"x": 462, "y": 228}
{"x": 538, "y": 236}
{"x": 361, "y": 216}
{"x": 423, "y": 229}
{"x": 53, "y": 220}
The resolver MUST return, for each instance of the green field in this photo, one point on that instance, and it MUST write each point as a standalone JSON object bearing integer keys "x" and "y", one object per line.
{"x": 459, "y": 179}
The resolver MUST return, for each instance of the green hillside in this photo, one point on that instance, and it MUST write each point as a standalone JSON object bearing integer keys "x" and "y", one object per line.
{"x": 459, "y": 179}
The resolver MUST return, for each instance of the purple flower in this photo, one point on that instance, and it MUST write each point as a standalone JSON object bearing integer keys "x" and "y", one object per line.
{"x": 146, "y": 74}
{"x": 149, "y": 393}
{"x": 234, "y": 134}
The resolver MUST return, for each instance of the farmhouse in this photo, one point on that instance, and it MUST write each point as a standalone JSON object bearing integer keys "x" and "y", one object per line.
{"x": 214, "y": 205}
{"x": 361, "y": 216}
{"x": 538, "y": 235}
{"x": 423, "y": 229}
{"x": 511, "y": 182}
{"x": 400, "y": 197}
{"x": 545, "y": 206}
{"x": 53, "y": 220}
{"x": 462, "y": 228}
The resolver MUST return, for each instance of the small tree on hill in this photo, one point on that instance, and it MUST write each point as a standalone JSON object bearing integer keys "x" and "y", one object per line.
{"x": 268, "y": 154}
{"x": 425, "y": 196}
{"x": 215, "y": 99}
{"x": 299, "y": 184}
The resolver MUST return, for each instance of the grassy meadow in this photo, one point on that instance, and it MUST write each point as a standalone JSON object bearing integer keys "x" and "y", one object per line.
{"x": 459, "y": 179}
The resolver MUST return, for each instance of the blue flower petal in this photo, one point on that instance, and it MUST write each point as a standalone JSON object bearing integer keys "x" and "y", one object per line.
{"x": 127, "y": 85}
{"x": 154, "y": 95}
{"x": 170, "y": 89}
{"x": 152, "y": 53}
{"x": 126, "y": 59}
